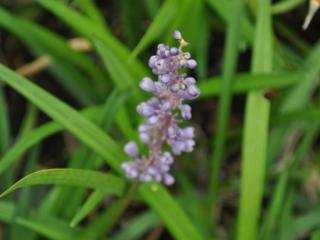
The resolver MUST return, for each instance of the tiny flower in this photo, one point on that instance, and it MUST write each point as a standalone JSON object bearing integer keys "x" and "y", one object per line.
{"x": 152, "y": 61}
{"x": 190, "y": 81}
{"x": 191, "y": 63}
{"x": 174, "y": 51}
{"x": 144, "y": 137}
{"x": 186, "y": 111}
{"x": 165, "y": 78}
{"x": 188, "y": 132}
{"x": 193, "y": 91}
{"x": 145, "y": 110}
{"x": 168, "y": 180}
{"x": 147, "y": 84}
{"x": 131, "y": 149}
{"x": 153, "y": 119}
{"x": 177, "y": 35}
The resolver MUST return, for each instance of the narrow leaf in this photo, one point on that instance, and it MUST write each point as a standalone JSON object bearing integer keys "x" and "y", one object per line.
{"x": 104, "y": 182}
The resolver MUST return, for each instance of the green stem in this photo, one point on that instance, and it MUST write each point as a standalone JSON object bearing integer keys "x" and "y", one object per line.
{"x": 230, "y": 66}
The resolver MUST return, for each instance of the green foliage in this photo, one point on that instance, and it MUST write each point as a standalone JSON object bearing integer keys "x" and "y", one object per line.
{"x": 264, "y": 149}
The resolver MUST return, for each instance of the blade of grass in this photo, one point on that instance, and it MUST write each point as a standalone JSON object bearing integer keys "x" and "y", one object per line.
{"x": 248, "y": 82}
{"x": 66, "y": 116}
{"x": 152, "y": 7}
{"x": 158, "y": 25}
{"x": 272, "y": 216}
{"x": 132, "y": 16}
{"x": 104, "y": 182}
{"x": 87, "y": 28}
{"x": 29, "y": 120}
{"x": 92, "y": 11}
{"x": 169, "y": 211}
{"x": 118, "y": 71}
{"x": 137, "y": 227}
{"x": 222, "y": 8}
{"x": 7, "y": 210}
{"x": 5, "y": 137}
{"x": 43, "y": 41}
{"x": 229, "y": 70}
{"x": 286, "y": 220}
{"x": 285, "y": 6}
{"x": 83, "y": 158}
{"x": 95, "y": 198}
{"x": 34, "y": 137}
{"x": 254, "y": 146}
{"x": 50, "y": 227}
{"x": 296, "y": 99}
{"x": 24, "y": 202}
{"x": 4, "y": 124}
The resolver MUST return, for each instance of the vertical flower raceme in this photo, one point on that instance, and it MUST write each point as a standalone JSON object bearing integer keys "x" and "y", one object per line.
{"x": 164, "y": 112}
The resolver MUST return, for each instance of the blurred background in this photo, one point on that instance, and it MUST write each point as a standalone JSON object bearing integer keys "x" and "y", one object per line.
{"x": 241, "y": 51}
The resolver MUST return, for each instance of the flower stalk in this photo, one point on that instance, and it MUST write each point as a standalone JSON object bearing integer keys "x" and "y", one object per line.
{"x": 164, "y": 112}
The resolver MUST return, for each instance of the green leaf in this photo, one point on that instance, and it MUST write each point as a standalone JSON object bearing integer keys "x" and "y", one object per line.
{"x": 255, "y": 138}
{"x": 46, "y": 42}
{"x": 169, "y": 211}
{"x": 95, "y": 198}
{"x": 50, "y": 227}
{"x": 33, "y": 137}
{"x": 79, "y": 126}
{"x": 248, "y": 82}
{"x": 104, "y": 182}
{"x": 87, "y": 28}
{"x": 305, "y": 223}
{"x": 285, "y": 6}
{"x": 136, "y": 228}
{"x": 230, "y": 67}
{"x": 92, "y": 11}
{"x": 222, "y": 8}
{"x": 7, "y": 210}
{"x": 120, "y": 75}
{"x": 158, "y": 25}
{"x": 4, "y": 124}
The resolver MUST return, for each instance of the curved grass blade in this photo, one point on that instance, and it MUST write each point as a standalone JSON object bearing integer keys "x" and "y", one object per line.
{"x": 4, "y": 124}
{"x": 87, "y": 28}
{"x": 95, "y": 198}
{"x": 50, "y": 227}
{"x": 158, "y": 25}
{"x": 92, "y": 11}
{"x": 33, "y": 137}
{"x": 249, "y": 82}
{"x": 222, "y": 8}
{"x": 104, "y": 182}
{"x": 229, "y": 72}
{"x": 118, "y": 71}
{"x": 254, "y": 146}
{"x": 137, "y": 227}
{"x": 169, "y": 211}
{"x": 7, "y": 210}
{"x": 285, "y": 6}
{"x": 79, "y": 126}
{"x": 43, "y": 41}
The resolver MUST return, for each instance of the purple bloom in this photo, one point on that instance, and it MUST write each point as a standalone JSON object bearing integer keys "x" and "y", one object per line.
{"x": 147, "y": 85}
{"x": 177, "y": 35}
{"x": 131, "y": 149}
{"x": 161, "y": 125}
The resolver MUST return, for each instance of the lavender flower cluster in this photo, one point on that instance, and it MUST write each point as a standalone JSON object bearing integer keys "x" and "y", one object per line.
{"x": 162, "y": 115}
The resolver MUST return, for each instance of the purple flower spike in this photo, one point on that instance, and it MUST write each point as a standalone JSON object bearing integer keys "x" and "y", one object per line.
{"x": 161, "y": 126}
